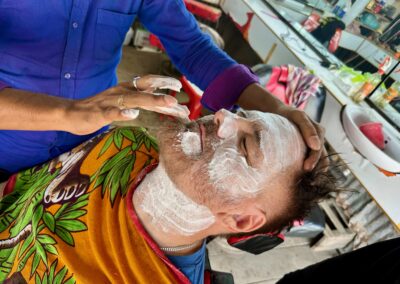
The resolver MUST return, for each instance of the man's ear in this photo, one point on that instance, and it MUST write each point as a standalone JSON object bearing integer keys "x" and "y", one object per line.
{"x": 243, "y": 223}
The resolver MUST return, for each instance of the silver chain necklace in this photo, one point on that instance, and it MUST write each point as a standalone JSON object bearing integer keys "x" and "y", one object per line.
{"x": 179, "y": 248}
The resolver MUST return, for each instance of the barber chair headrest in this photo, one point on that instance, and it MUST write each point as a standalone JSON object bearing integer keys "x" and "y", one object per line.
{"x": 256, "y": 244}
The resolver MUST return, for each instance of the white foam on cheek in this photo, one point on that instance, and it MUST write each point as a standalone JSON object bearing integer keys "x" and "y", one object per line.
{"x": 229, "y": 171}
{"x": 191, "y": 143}
{"x": 170, "y": 209}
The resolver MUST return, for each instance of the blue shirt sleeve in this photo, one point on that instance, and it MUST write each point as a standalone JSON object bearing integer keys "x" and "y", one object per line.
{"x": 192, "y": 51}
{"x": 192, "y": 265}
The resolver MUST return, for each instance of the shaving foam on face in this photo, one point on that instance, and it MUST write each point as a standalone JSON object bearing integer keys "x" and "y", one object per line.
{"x": 279, "y": 145}
{"x": 228, "y": 169}
{"x": 170, "y": 209}
{"x": 280, "y": 141}
{"x": 191, "y": 143}
{"x": 228, "y": 128}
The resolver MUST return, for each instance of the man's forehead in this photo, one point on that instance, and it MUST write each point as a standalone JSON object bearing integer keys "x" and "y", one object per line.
{"x": 269, "y": 119}
{"x": 278, "y": 136}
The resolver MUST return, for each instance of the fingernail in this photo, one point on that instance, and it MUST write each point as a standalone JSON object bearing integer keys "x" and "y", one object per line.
{"x": 170, "y": 100}
{"x": 315, "y": 143}
{"x": 174, "y": 85}
{"x": 173, "y": 88}
{"x": 130, "y": 113}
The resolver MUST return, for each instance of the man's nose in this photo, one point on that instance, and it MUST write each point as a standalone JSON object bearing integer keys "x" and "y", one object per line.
{"x": 226, "y": 124}
{"x": 219, "y": 117}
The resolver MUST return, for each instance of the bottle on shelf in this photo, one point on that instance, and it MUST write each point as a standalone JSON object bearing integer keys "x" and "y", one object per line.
{"x": 372, "y": 80}
{"x": 340, "y": 8}
{"x": 389, "y": 95}
{"x": 370, "y": 5}
{"x": 379, "y": 6}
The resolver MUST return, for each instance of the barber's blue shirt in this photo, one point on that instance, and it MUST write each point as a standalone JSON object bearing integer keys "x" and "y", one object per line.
{"x": 71, "y": 49}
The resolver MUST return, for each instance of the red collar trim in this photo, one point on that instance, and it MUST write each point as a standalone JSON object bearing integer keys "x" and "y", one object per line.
{"x": 9, "y": 187}
{"x": 179, "y": 276}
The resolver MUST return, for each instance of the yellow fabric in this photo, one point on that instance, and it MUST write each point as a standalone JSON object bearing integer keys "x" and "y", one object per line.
{"x": 95, "y": 241}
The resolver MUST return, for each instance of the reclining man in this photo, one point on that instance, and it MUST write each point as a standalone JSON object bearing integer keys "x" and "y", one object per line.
{"x": 114, "y": 210}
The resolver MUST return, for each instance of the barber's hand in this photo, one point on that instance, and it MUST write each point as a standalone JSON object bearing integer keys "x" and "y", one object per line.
{"x": 313, "y": 134}
{"x": 119, "y": 103}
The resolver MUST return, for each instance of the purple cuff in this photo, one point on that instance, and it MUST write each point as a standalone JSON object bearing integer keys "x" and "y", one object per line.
{"x": 3, "y": 85}
{"x": 226, "y": 88}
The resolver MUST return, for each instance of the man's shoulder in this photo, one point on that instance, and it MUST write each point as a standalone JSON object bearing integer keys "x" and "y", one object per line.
{"x": 109, "y": 159}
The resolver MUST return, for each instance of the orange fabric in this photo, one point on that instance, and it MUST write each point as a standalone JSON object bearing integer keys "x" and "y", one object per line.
{"x": 83, "y": 237}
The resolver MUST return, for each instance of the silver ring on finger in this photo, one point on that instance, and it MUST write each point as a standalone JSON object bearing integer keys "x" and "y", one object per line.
{"x": 134, "y": 82}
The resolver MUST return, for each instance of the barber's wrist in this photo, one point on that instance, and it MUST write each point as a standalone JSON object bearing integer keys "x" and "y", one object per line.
{"x": 72, "y": 115}
{"x": 257, "y": 97}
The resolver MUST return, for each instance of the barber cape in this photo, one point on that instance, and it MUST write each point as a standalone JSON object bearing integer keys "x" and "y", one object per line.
{"x": 72, "y": 220}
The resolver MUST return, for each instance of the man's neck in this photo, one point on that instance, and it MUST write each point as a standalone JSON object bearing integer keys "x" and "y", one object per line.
{"x": 161, "y": 217}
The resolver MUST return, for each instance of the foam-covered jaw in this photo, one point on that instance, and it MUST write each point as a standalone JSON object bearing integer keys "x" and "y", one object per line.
{"x": 169, "y": 208}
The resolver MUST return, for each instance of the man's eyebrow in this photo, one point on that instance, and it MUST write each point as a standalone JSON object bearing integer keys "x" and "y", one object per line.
{"x": 257, "y": 133}
{"x": 255, "y": 154}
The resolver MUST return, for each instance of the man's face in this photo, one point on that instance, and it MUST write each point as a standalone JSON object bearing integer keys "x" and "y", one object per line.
{"x": 228, "y": 158}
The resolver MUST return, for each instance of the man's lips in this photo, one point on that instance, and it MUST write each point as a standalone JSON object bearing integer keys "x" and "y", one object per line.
{"x": 202, "y": 132}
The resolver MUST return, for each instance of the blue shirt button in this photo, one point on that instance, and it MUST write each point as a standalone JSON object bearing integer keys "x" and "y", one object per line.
{"x": 67, "y": 76}
{"x": 75, "y": 25}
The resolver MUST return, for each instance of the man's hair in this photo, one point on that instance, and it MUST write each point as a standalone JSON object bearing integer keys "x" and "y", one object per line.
{"x": 311, "y": 187}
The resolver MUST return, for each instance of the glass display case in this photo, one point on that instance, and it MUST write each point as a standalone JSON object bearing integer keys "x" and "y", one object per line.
{"x": 358, "y": 38}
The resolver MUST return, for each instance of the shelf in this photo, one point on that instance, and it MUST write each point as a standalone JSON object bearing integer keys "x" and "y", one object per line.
{"x": 378, "y": 15}
{"x": 364, "y": 26}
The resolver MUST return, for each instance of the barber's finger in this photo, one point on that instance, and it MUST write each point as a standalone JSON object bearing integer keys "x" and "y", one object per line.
{"x": 152, "y": 83}
{"x": 142, "y": 99}
{"x": 130, "y": 113}
{"x": 177, "y": 110}
{"x": 324, "y": 160}
{"x": 308, "y": 131}
{"x": 156, "y": 102}
{"x": 111, "y": 114}
{"x": 314, "y": 156}
{"x": 168, "y": 83}
{"x": 312, "y": 160}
